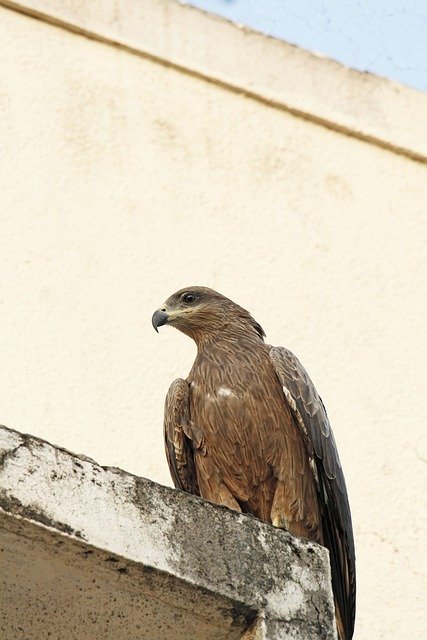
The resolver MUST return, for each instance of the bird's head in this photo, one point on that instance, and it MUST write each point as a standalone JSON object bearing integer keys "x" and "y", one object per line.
{"x": 204, "y": 315}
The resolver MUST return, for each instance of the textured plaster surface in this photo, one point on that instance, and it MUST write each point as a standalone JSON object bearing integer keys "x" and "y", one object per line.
{"x": 123, "y": 180}
{"x": 291, "y": 78}
{"x": 91, "y": 552}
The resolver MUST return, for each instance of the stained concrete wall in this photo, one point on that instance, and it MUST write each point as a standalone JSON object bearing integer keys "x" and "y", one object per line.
{"x": 147, "y": 148}
{"x": 89, "y": 552}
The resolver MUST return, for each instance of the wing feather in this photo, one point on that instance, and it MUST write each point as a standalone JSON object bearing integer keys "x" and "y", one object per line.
{"x": 310, "y": 415}
{"x": 179, "y": 437}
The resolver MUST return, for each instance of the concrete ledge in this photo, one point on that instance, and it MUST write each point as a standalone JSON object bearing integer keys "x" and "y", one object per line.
{"x": 305, "y": 84}
{"x": 92, "y": 552}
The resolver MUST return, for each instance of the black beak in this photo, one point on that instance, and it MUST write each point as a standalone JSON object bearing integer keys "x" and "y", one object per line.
{"x": 159, "y": 318}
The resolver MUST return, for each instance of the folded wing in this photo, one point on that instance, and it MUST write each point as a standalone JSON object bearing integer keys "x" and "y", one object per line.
{"x": 178, "y": 445}
{"x": 310, "y": 414}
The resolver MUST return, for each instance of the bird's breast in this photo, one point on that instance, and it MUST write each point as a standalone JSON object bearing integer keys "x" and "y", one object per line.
{"x": 219, "y": 393}
{"x": 235, "y": 395}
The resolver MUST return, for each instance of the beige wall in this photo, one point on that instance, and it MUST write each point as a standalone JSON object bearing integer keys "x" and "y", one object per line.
{"x": 123, "y": 179}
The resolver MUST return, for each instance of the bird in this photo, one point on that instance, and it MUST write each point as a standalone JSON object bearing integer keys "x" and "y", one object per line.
{"x": 248, "y": 430}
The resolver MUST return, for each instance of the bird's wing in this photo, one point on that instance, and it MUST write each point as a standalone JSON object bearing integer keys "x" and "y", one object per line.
{"x": 310, "y": 414}
{"x": 179, "y": 451}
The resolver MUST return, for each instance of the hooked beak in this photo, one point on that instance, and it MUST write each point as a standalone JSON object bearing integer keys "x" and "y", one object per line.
{"x": 159, "y": 318}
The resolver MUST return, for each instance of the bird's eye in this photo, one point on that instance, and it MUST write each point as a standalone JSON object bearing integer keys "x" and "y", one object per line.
{"x": 188, "y": 298}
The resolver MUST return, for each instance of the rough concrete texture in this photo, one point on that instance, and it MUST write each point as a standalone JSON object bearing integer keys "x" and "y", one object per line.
{"x": 92, "y": 552}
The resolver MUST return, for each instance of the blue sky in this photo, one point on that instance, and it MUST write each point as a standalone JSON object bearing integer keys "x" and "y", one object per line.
{"x": 386, "y": 37}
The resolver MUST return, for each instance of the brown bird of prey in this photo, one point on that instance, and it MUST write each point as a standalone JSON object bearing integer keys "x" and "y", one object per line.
{"x": 248, "y": 430}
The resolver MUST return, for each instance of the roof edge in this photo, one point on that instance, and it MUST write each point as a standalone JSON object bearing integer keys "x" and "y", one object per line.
{"x": 305, "y": 84}
{"x": 232, "y": 557}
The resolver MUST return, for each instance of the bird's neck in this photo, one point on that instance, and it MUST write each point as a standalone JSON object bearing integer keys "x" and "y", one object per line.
{"x": 230, "y": 361}
{"x": 228, "y": 340}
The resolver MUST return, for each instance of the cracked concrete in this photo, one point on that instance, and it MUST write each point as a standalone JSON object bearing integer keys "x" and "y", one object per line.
{"x": 91, "y": 551}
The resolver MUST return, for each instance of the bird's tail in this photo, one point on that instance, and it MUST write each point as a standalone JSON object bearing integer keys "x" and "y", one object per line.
{"x": 339, "y": 622}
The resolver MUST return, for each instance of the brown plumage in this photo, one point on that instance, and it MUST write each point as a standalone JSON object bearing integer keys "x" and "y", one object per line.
{"x": 248, "y": 430}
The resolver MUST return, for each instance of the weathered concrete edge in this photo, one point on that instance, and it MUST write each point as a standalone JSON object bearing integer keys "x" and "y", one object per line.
{"x": 309, "y": 86}
{"x": 135, "y": 578}
{"x": 212, "y": 548}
